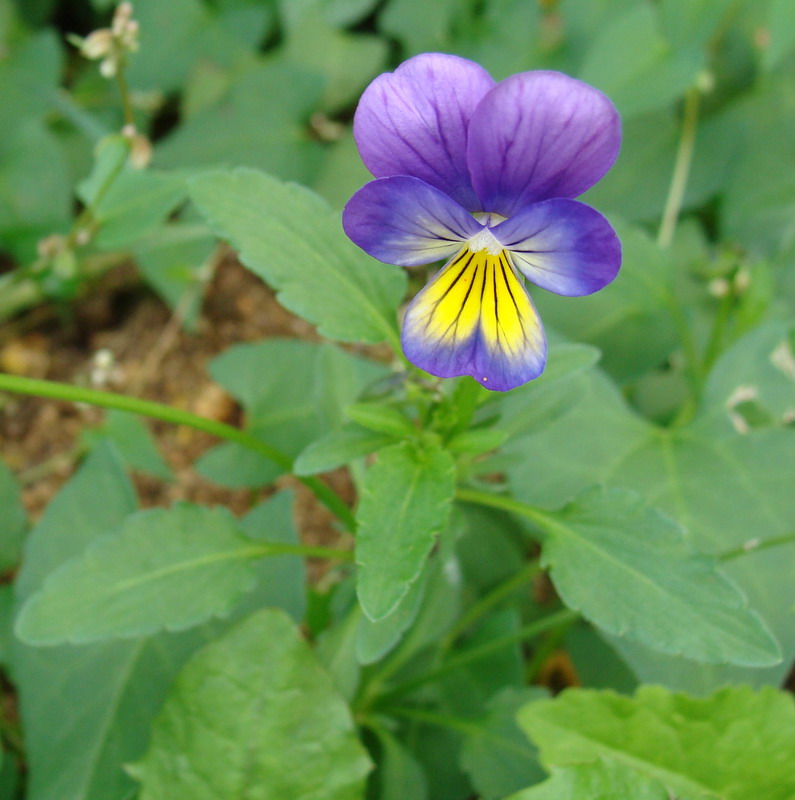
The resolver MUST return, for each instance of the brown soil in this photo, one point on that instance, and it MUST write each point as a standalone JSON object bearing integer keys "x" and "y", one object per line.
{"x": 155, "y": 359}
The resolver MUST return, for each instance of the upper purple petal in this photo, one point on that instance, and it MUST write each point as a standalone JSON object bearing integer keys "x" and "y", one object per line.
{"x": 403, "y": 220}
{"x": 562, "y": 245}
{"x": 538, "y": 135}
{"x": 414, "y": 121}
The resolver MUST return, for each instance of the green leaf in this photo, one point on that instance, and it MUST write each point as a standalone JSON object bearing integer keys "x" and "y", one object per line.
{"x": 419, "y": 26}
{"x": 13, "y": 519}
{"x": 723, "y": 487}
{"x": 254, "y": 708}
{"x": 287, "y": 414}
{"x": 165, "y": 569}
{"x": 781, "y": 26}
{"x": 734, "y": 745}
{"x": 274, "y": 226}
{"x": 348, "y": 62}
{"x": 405, "y": 502}
{"x": 496, "y": 755}
{"x": 627, "y": 569}
{"x": 636, "y": 66}
{"x": 134, "y": 442}
{"x": 338, "y": 448}
{"x": 241, "y": 128}
{"x": 110, "y": 158}
{"x": 600, "y": 780}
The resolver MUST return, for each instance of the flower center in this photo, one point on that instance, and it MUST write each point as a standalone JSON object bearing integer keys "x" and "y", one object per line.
{"x": 485, "y": 241}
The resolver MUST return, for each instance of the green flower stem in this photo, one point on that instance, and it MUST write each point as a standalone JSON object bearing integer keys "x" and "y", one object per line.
{"x": 684, "y": 157}
{"x": 121, "y": 82}
{"x": 529, "y": 631}
{"x": 147, "y": 408}
{"x": 715, "y": 343}
{"x": 542, "y": 519}
{"x": 268, "y": 549}
{"x": 488, "y": 601}
{"x": 756, "y": 545}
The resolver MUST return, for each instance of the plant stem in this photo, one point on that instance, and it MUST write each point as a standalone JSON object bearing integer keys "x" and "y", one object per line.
{"x": 684, "y": 157}
{"x": 532, "y": 629}
{"x": 488, "y": 601}
{"x": 147, "y": 408}
{"x": 479, "y": 497}
{"x": 755, "y": 545}
{"x": 121, "y": 82}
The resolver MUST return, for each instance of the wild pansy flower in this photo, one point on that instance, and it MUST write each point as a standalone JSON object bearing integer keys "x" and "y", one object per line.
{"x": 483, "y": 174}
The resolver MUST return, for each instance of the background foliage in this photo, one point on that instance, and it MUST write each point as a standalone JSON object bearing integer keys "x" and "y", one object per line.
{"x": 184, "y": 652}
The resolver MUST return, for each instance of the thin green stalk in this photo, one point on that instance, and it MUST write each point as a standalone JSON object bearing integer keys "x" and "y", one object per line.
{"x": 305, "y": 551}
{"x": 529, "y": 631}
{"x": 684, "y": 157}
{"x": 479, "y": 497}
{"x": 121, "y": 82}
{"x": 147, "y": 408}
{"x": 488, "y": 601}
{"x": 757, "y": 545}
{"x": 715, "y": 342}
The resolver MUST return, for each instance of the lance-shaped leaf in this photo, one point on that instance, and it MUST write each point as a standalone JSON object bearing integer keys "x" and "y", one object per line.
{"x": 733, "y": 745}
{"x": 628, "y": 569}
{"x": 253, "y": 714}
{"x": 165, "y": 569}
{"x": 405, "y": 502}
{"x": 290, "y": 238}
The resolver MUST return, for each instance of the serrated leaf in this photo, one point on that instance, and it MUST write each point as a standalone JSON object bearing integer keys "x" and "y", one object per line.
{"x": 628, "y": 570}
{"x": 734, "y": 745}
{"x": 600, "y": 780}
{"x": 405, "y": 502}
{"x": 165, "y": 569}
{"x": 254, "y": 708}
{"x": 276, "y": 226}
{"x": 724, "y": 487}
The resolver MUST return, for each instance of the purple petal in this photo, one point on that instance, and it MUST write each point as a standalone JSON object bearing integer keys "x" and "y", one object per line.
{"x": 475, "y": 318}
{"x": 414, "y": 122}
{"x": 562, "y": 245}
{"x": 405, "y": 221}
{"x": 539, "y": 135}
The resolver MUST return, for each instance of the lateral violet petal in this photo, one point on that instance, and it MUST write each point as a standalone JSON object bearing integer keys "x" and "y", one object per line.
{"x": 403, "y": 220}
{"x": 475, "y": 318}
{"x": 414, "y": 121}
{"x": 539, "y": 135}
{"x": 562, "y": 245}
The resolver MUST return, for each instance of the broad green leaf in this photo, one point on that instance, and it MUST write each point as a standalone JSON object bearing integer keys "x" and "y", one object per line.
{"x": 134, "y": 443}
{"x": 338, "y": 13}
{"x": 735, "y": 745}
{"x": 405, "y": 502}
{"x": 628, "y": 569}
{"x": 725, "y": 488}
{"x": 759, "y": 197}
{"x": 599, "y": 780}
{"x": 106, "y": 695}
{"x": 29, "y": 75}
{"x": 495, "y": 754}
{"x": 347, "y": 61}
{"x": 254, "y": 711}
{"x": 260, "y": 122}
{"x": 13, "y": 519}
{"x": 690, "y": 24}
{"x": 338, "y": 448}
{"x": 166, "y": 569}
{"x": 627, "y": 320}
{"x": 276, "y": 226}
{"x": 635, "y": 66}
{"x": 110, "y": 158}
{"x": 287, "y": 414}
{"x": 419, "y": 26}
